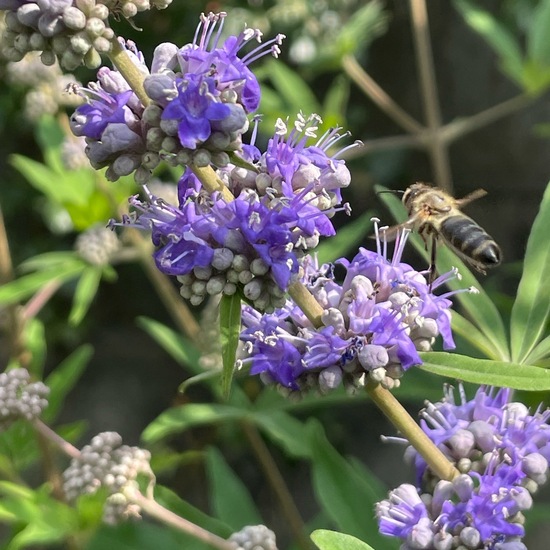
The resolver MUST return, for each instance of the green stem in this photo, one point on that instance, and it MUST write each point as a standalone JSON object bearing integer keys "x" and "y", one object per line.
{"x": 401, "y": 419}
{"x": 155, "y": 510}
{"x": 277, "y": 482}
{"x": 128, "y": 69}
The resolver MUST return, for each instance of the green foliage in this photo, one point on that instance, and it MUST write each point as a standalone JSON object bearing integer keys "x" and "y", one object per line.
{"x": 226, "y": 489}
{"x": 230, "y": 329}
{"x": 532, "y": 304}
{"x": 530, "y": 69}
{"x": 331, "y": 540}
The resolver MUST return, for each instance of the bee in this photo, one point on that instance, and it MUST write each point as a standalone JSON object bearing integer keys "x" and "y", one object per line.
{"x": 437, "y": 215}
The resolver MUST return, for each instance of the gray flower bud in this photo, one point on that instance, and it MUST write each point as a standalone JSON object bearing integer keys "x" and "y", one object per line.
{"x": 372, "y": 356}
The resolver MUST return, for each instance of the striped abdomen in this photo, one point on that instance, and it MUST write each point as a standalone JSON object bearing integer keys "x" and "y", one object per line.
{"x": 471, "y": 241}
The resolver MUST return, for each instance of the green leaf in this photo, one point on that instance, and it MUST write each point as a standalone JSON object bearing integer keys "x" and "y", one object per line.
{"x": 532, "y": 304}
{"x": 230, "y": 329}
{"x": 484, "y": 371}
{"x": 503, "y": 43}
{"x": 173, "y": 502}
{"x": 539, "y": 353}
{"x": 63, "y": 187}
{"x": 182, "y": 418}
{"x": 347, "y": 238}
{"x": 182, "y": 350}
{"x": 331, "y": 540}
{"x": 23, "y": 287}
{"x": 473, "y": 335}
{"x": 286, "y": 431}
{"x": 63, "y": 379}
{"x": 291, "y": 87}
{"x": 345, "y": 495}
{"x": 480, "y": 308}
{"x": 336, "y": 101}
{"x": 538, "y": 38}
{"x": 85, "y": 292}
{"x": 142, "y": 535}
{"x": 229, "y": 497}
{"x": 51, "y": 260}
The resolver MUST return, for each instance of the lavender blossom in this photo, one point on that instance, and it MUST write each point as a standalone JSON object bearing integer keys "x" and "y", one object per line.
{"x": 217, "y": 247}
{"x": 374, "y": 323}
{"x": 201, "y": 95}
{"x": 473, "y": 511}
{"x": 469, "y": 433}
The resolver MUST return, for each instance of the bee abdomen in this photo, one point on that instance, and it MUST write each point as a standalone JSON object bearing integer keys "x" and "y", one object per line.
{"x": 471, "y": 240}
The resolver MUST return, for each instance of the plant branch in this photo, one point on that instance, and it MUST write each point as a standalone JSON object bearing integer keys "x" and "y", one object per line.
{"x": 61, "y": 443}
{"x": 277, "y": 482}
{"x": 437, "y": 148}
{"x": 385, "y": 144}
{"x": 401, "y": 419}
{"x": 461, "y": 126}
{"x": 379, "y": 96}
{"x": 155, "y": 510}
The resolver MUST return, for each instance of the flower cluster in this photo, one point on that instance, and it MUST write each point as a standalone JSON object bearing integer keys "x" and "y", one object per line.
{"x": 502, "y": 451}
{"x": 201, "y": 95}
{"x": 254, "y": 537}
{"x": 48, "y": 86}
{"x": 374, "y": 324}
{"x": 19, "y": 398}
{"x": 106, "y": 463}
{"x": 283, "y": 203}
{"x": 73, "y": 31}
{"x": 97, "y": 245}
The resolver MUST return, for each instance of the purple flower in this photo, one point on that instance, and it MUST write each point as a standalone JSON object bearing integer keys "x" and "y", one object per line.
{"x": 91, "y": 119}
{"x": 373, "y": 325}
{"x": 195, "y": 108}
{"x": 473, "y": 511}
{"x": 470, "y": 432}
{"x": 204, "y": 56}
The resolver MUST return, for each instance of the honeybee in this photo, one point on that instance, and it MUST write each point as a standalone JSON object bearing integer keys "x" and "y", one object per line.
{"x": 436, "y": 214}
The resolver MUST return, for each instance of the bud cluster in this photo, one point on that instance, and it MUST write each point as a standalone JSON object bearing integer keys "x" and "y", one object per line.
{"x": 106, "y": 463}
{"x": 97, "y": 245}
{"x": 48, "y": 86}
{"x": 19, "y": 398}
{"x": 254, "y": 537}
{"x": 74, "y": 31}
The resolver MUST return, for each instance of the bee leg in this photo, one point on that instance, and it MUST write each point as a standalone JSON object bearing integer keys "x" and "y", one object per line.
{"x": 432, "y": 269}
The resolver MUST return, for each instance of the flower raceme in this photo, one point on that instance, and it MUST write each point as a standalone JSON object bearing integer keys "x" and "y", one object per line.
{"x": 374, "y": 324}
{"x": 284, "y": 200}
{"x": 502, "y": 451}
{"x": 201, "y": 95}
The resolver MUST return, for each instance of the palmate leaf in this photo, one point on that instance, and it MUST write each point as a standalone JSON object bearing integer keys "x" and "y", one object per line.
{"x": 480, "y": 308}
{"x": 532, "y": 305}
{"x": 85, "y": 292}
{"x": 484, "y": 371}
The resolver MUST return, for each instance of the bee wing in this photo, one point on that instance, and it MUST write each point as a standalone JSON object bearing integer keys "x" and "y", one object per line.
{"x": 390, "y": 233}
{"x": 470, "y": 197}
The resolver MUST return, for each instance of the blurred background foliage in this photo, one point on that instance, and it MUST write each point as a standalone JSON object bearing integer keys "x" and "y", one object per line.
{"x": 358, "y": 65}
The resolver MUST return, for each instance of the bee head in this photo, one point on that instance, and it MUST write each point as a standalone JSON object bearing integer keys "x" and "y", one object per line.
{"x": 414, "y": 191}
